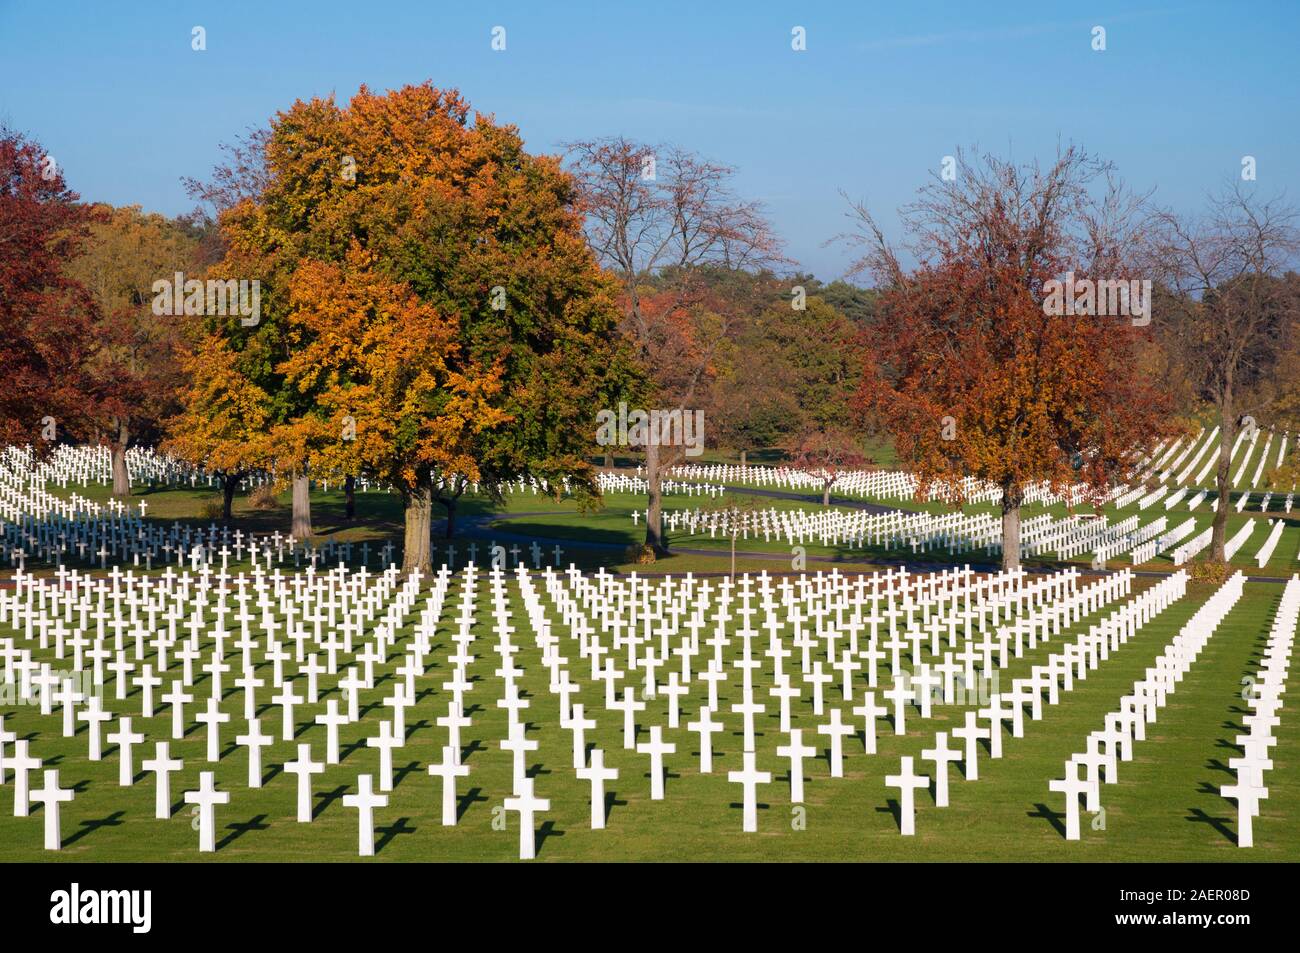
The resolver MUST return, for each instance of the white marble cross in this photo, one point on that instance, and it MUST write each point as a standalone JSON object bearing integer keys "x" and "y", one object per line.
{"x": 449, "y": 771}
{"x": 706, "y": 727}
{"x": 162, "y": 765}
{"x": 23, "y": 764}
{"x": 749, "y": 777}
{"x": 254, "y": 741}
{"x": 5, "y": 738}
{"x": 333, "y": 719}
{"x": 365, "y": 801}
{"x": 528, "y": 806}
{"x": 52, "y": 797}
{"x": 656, "y": 748}
{"x": 597, "y": 774}
{"x": 579, "y": 724}
{"x": 1071, "y": 786}
{"x": 971, "y": 733}
{"x": 304, "y": 767}
{"x": 518, "y": 744}
{"x": 796, "y": 751}
{"x": 177, "y": 699}
{"x": 908, "y": 784}
{"x": 1247, "y": 796}
{"x": 387, "y": 742}
{"x": 942, "y": 756}
{"x": 207, "y": 797}
{"x": 837, "y": 731}
{"x": 214, "y": 718}
{"x": 126, "y": 740}
{"x": 94, "y": 716}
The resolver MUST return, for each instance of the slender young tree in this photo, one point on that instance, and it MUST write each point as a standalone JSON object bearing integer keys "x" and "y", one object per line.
{"x": 1231, "y": 311}
{"x": 652, "y": 210}
{"x": 828, "y": 453}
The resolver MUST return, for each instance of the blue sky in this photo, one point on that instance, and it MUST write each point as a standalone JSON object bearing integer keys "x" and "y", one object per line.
{"x": 882, "y": 93}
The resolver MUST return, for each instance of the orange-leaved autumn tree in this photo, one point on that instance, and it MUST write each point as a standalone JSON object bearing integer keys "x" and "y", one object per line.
{"x": 135, "y": 366}
{"x": 378, "y": 363}
{"x": 447, "y": 206}
{"x": 967, "y": 371}
{"x": 222, "y": 425}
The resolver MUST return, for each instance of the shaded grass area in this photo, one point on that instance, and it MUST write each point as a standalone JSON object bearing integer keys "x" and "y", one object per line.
{"x": 601, "y": 536}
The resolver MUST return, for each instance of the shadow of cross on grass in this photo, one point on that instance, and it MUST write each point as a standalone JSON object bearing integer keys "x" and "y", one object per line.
{"x": 892, "y": 808}
{"x": 327, "y": 798}
{"x": 1047, "y": 814}
{"x": 388, "y": 834}
{"x": 238, "y": 830}
{"x": 1197, "y": 816}
{"x": 465, "y": 801}
{"x": 545, "y": 833}
{"x": 90, "y": 826}
{"x": 612, "y": 801}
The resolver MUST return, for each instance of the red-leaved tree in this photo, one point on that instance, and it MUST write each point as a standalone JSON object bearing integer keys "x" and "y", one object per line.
{"x": 967, "y": 370}
{"x": 45, "y": 316}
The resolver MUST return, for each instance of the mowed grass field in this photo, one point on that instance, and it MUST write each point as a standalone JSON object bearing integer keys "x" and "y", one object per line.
{"x": 1165, "y": 805}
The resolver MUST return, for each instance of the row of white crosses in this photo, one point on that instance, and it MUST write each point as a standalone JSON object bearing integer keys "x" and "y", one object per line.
{"x": 40, "y": 611}
{"x": 610, "y": 482}
{"x": 922, "y": 532}
{"x": 688, "y": 649}
{"x": 1149, "y": 550}
{"x": 1055, "y": 676}
{"x": 85, "y": 464}
{"x": 61, "y": 528}
{"x": 1264, "y": 696}
{"x": 1128, "y": 541}
{"x": 1180, "y": 469}
{"x": 207, "y": 797}
{"x": 1061, "y": 605}
{"x": 664, "y": 641}
{"x": 957, "y": 533}
{"x": 1127, "y": 724}
{"x": 877, "y": 484}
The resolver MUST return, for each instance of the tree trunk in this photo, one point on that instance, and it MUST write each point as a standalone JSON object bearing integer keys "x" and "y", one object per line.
{"x": 733, "y": 557}
{"x": 654, "y": 535}
{"x": 826, "y": 494}
{"x": 229, "y": 484}
{"x": 1010, "y": 528}
{"x": 417, "y": 548}
{"x": 449, "y": 504}
{"x": 609, "y": 461}
{"x": 350, "y": 497}
{"x": 1219, "y": 538}
{"x": 742, "y": 457}
{"x": 121, "y": 476}
{"x": 300, "y": 528}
